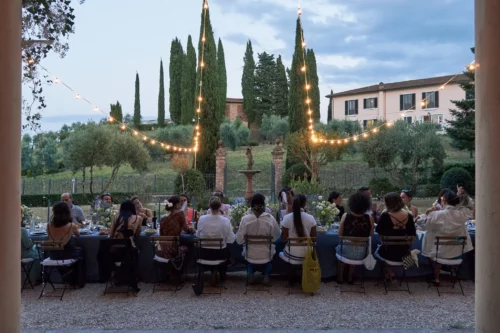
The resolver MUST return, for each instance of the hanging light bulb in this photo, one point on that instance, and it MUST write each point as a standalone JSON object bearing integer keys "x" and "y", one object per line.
{"x": 144, "y": 138}
{"x": 78, "y": 96}
{"x": 365, "y": 135}
{"x": 205, "y": 5}
{"x": 375, "y": 130}
{"x": 153, "y": 142}
{"x": 136, "y": 133}
{"x": 56, "y": 80}
{"x": 355, "y": 138}
{"x": 110, "y": 119}
{"x": 31, "y": 61}
{"x": 303, "y": 68}
{"x": 202, "y": 64}
{"x": 123, "y": 127}
{"x": 96, "y": 109}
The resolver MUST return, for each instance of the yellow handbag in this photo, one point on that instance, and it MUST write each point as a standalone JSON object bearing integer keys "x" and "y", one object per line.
{"x": 311, "y": 271}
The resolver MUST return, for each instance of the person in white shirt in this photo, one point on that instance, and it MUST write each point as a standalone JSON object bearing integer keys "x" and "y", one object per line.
{"x": 216, "y": 226}
{"x": 297, "y": 224}
{"x": 258, "y": 223}
{"x": 449, "y": 221}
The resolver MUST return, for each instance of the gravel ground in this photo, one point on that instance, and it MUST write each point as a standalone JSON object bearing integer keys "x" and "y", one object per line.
{"x": 328, "y": 309}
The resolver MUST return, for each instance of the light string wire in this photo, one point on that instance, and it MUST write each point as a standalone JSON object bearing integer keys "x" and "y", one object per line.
{"x": 197, "y": 132}
{"x": 123, "y": 126}
{"x": 375, "y": 130}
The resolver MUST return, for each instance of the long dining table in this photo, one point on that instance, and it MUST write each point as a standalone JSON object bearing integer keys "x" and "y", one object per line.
{"x": 326, "y": 243}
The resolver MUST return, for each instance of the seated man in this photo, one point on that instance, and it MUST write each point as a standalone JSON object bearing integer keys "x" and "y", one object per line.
{"x": 76, "y": 212}
{"x": 258, "y": 223}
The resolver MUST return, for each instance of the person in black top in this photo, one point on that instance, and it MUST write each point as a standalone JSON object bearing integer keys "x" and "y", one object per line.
{"x": 336, "y": 198}
{"x": 395, "y": 221}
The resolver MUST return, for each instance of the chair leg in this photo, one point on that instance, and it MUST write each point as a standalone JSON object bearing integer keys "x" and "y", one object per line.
{"x": 27, "y": 278}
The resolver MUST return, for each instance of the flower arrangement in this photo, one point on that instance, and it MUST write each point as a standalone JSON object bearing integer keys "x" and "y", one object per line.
{"x": 105, "y": 215}
{"x": 325, "y": 211}
{"x": 27, "y": 214}
{"x": 236, "y": 213}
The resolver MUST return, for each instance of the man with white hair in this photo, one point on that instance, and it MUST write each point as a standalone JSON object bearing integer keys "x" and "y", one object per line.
{"x": 76, "y": 212}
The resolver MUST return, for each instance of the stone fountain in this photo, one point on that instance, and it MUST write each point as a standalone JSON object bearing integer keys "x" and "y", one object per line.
{"x": 249, "y": 173}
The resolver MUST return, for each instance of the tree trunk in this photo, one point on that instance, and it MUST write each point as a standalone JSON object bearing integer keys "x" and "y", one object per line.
{"x": 111, "y": 179}
{"x": 83, "y": 181}
{"x": 471, "y": 154}
{"x": 182, "y": 179}
{"x": 91, "y": 183}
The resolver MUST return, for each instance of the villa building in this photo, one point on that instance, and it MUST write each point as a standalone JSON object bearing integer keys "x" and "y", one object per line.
{"x": 424, "y": 100}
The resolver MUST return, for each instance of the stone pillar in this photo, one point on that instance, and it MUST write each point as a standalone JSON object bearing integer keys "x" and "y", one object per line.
{"x": 278, "y": 165}
{"x": 487, "y": 27}
{"x": 10, "y": 169}
{"x": 220, "y": 165}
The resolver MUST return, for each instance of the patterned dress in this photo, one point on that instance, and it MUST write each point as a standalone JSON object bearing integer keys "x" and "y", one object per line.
{"x": 355, "y": 226}
{"x": 173, "y": 225}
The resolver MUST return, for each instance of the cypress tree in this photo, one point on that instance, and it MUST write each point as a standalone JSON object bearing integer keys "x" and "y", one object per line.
{"x": 188, "y": 84}
{"x": 221, "y": 66}
{"x": 248, "y": 84}
{"x": 265, "y": 83}
{"x": 210, "y": 106}
{"x": 116, "y": 112}
{"x": 175, "y": 74}
{"x": 161, "y": 98}
{"x": 330, "y": 111}
{"x": 281, "y": 95}
{"x": 297, "y": 108}
{"x": 137, "y": 103}
{"x": 313, "y": 80}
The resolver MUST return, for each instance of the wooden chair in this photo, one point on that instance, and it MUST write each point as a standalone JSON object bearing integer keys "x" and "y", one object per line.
{"x": 48, "y": 266}
{"x": 294, "y": 262}
{"x": 160, "y": 241}
{"x": 257, "y": 241}
{"x": 357, "y": 242}
{"x": 215, "y": 266}
{"x": 388, "y": 242}
{"x": 454, "y": 264}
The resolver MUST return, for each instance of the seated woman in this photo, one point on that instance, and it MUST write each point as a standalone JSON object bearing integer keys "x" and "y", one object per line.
{"x": 61, "y": 229}
{"x": 258, "y": 223}
{"x": 224, "y": 208}
{"x": 285, "y": 198}
{"x": 28, "y": 250}
{"x": 407, "y": 197}
{"x": 450, "y": 221}
{"x": 297, "y": 225}
{"x": 336, "y": 198}
{"x": 395, "y": 221}
{"x": 356, "y": 223}
{"x": 144, "y": 213}
{"x": 216, "y": 226}
{"x": 127, "y": 224}
{"x": 190, "y": 214}
{"x": 173, "y": 225}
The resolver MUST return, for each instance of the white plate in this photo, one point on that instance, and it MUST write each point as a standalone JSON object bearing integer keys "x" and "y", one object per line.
{"x": 85, "y": 231}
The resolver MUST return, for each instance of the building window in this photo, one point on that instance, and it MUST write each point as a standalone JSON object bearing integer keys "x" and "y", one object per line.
{"x": 409, "y": 120}
{"x": 370, "y": 103}
{"x": 369, "y": 123}
{"x": 430, "y": 100}
{"x": 351, "y": 107}
{"x": 407, "y": 102}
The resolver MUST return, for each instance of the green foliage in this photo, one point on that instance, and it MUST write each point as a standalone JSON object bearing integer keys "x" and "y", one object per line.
{"x": 405, "y": 150}
{"x": 221, "y": 67}
{"x": 179, "y": 135}
{"x": 274, "y": 127}
{"x": 175, "y": 74}
{"x": 457, "y": 176}
{"x": 382, "y": 186}
{"x": 248, "y": 83}
{"x": 462, "y": 126}
{"x": 296, "y": 172}
{"x": 188, "y": 85}
{"x": 116, "y": 112}
{"x": 306, "y": 187}
{"x": 253, "y": 143}
{"x": 194, "y": 183}
{"x": 41, "y": 200}
{"x": 297, "y": 95}
{"x": 313, "y": 81}
{"x": 137, "y": 102}
{"x": 128, "y": 118}
{"x": 330, "y": 113}
{"x": 233, "y": 134}
{"x": 469, "y": 166}
{"x": 161, "y": 98}
{"x": 210, "y": 115}
{"x": 281, "y": 90}
{"x": 265, "y": 80}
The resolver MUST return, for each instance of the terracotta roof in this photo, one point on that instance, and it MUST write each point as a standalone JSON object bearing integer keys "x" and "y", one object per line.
{"x": 433, "y": 81}
{"x": 234, "y": 100}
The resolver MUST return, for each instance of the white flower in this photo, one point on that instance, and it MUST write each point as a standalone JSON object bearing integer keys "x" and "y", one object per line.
{"x": 170, "y": 205}
{"x": 107, "y": 219}
{"x": 323, "y": 213}
{"x": 320, "y": 198}
{"x": 314, "y": 202}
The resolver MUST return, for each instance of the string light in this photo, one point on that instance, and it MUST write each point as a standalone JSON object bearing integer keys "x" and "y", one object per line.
{"x": 31, "y": 61}
{"x": 472, "y": 66}
{"x": 122, "y": 126}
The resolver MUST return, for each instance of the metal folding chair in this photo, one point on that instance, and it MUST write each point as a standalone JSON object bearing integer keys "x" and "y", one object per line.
{"x": 201, "y": 245}
{"x": 160, "y": 241}
{"x": 454, "y": 264}
{"x": 389, "y": 242}
{"x": 256, "y": 241}
{"x": 362, "y": 242}
{"x": 48, "y": 266}
{"x": 26, "y": 267}
{"x": 294, "y": 263}
{"x": 118, "y": 252}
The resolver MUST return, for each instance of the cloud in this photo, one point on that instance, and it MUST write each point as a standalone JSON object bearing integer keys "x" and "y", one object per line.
{"x": 350, "y": 39}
